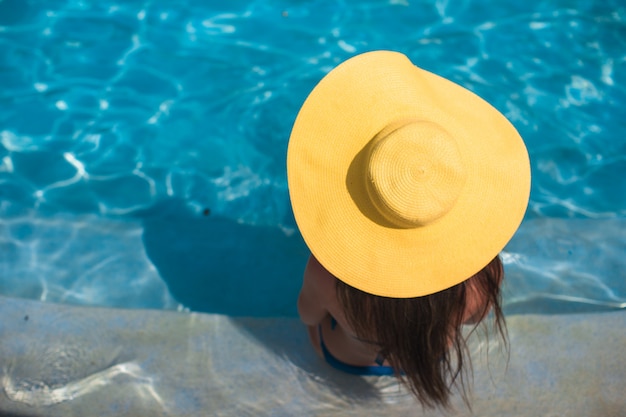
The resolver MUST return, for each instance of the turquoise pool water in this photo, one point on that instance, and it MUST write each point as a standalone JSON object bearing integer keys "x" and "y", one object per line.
{"x": 142, "y": 144}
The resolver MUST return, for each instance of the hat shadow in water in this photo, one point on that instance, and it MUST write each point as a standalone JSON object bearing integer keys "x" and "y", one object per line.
{"x": 214, "y": 264}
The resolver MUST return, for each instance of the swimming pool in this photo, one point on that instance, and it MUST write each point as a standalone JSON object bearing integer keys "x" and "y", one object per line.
{"x": 142, "y": 144}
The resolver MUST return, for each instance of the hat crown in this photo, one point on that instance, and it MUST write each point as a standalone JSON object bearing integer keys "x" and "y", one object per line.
{"x": 415, "y": 173}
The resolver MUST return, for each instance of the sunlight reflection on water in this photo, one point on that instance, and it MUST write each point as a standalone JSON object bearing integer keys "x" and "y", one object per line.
{"x": 111, "y": 111}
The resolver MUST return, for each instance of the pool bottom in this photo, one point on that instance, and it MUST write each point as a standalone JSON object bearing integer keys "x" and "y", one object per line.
{"x": 77, "y": 361}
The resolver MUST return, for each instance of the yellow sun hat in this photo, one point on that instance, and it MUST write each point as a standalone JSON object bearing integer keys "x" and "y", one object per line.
{"x": 402, "y": 182}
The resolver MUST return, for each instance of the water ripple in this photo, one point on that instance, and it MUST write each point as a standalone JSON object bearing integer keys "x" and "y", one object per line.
{"x": 109, "y": 109}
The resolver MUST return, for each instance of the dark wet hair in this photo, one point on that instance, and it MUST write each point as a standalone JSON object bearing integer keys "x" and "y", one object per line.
{"x": 422, "y": 336}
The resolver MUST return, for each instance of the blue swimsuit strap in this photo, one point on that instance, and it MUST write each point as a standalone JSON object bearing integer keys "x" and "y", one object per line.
{"x": 352, "y": 369}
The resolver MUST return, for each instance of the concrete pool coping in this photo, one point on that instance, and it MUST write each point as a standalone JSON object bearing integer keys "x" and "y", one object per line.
{"x": 60, "y": 360}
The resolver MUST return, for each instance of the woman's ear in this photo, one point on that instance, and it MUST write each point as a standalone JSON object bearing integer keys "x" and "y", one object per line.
{"x": 317, "y": 287}
{"x": 477, "y": 304}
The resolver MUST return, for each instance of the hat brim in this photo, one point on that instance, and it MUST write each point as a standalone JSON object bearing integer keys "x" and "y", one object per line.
{"x": 348, "y": 107}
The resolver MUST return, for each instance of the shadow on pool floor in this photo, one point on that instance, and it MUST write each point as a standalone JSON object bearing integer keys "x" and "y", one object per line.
{"x": 215, "y": 264}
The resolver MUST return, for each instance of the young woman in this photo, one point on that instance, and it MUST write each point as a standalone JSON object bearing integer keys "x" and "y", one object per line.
{"x": 405, "y": 186}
